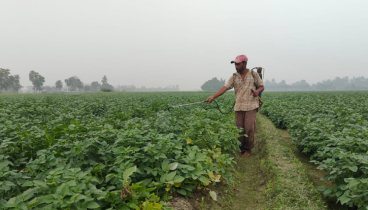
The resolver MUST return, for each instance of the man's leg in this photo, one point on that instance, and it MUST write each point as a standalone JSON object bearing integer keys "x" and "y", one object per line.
{"x": 240, "y": 118}
{"x": 250, "y": 127}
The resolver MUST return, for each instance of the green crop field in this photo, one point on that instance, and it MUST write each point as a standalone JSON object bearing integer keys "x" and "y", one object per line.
{"x": 331, "y": 127}
{"x": 112, "y": 150}
{"x": 122, "y": 151}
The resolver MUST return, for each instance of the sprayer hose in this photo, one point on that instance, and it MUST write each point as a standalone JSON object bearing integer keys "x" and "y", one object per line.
{"x": 218, "y": 107}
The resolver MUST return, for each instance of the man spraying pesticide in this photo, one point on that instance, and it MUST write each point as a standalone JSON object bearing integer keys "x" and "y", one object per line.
{"x": 247, "y": 87}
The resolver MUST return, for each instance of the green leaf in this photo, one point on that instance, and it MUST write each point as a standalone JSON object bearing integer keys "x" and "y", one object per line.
{"x": 163, "y": 178}
{"x": 71, "y": 183}
{"x": 40, "y": 184}
{"x": 199, "y": 167}
{"x": 5, "y": 163}
{"x": 62, "y": 190}
{"x": 353, "y": 168}
{"x": 47, "y": 199}
{"x": 190, "y": 168}
{"x": 162, "y": 155}
{"x": 165, "y": 165}
{"x": 170, "y": 176}
{"x": 191, "y": 155}
{"x": 92, "y": 205}
{"x": 6, "y": 185}
{"x": 213, "y": 195}
{"x": 109, "y": 177}
{"x": 344, "y": 199}
{"x": 77, "y": 197}
{"x": 173, "y": 166}
{"x": 204, "y": 180}
{"x": 352, "y": 182}
{"x": 342, "y": 186}
{"x": 28, "y": 194}
{"x": 178, "y": 179}
{"x": 182, "y": 192}
{"x": 28, "y": 184}
{"x": 200, "y": 157}
{"x": 327, "y": 192}
{"x": 132, "y": 205}
{"x": 127, "y": 173}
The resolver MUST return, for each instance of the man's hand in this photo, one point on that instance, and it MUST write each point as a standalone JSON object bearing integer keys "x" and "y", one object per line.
{"x": 219, "y": 92}
{"x": 255, "y": 93}
{"x": 210, "y": 99}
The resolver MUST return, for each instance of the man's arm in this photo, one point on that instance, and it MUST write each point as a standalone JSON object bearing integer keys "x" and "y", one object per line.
{"x": 219, "y": 93}
{"x": 258, "y": 91}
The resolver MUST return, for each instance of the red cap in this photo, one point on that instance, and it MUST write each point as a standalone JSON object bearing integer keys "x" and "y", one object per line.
{"x": 240, "y": 58}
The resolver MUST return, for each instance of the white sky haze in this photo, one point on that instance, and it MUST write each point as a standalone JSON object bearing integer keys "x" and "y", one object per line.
{"x": 170, "y": 42}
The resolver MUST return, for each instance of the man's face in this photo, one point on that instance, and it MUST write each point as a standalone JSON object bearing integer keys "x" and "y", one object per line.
{"x": 239, "y": 67}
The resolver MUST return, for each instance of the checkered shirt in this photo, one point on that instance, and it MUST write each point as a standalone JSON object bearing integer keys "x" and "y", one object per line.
{"x": 244, "y": 100}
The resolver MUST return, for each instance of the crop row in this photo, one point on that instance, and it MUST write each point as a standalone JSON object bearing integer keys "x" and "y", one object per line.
{"x": 110, "y": 151}
{"x": 331, "y": 127}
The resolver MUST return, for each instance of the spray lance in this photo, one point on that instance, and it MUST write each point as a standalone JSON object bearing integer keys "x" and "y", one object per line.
{"x": 260, "y": 72}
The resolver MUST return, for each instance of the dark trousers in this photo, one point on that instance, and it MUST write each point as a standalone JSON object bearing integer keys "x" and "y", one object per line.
{"x": 247, "y": 121}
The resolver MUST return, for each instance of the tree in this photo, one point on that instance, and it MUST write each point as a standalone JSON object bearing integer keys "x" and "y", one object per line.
{"x": 87, "y": 88}
{"x": 80, "y": 85}
{"x": 14, "y": 83}
{"x": 104, "y": 81}
{"x": 4, "y": 79}
{"x": 301, "y": 85}
{"x": 213, "y": 85}
{"x": 95, "y": 86}
{"x": 37, "y": 80}
{"x": 59, "y": 85}
{"x": 105, "y": 84}
{"x": 73, "y": 83}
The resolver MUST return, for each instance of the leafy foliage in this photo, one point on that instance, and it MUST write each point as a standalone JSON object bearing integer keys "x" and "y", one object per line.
{"x": 9, "y": 81}
{"x": 110, "y": 151}
{"x": 37, "y": 80}
{"x": 332, "y": 128}
{"x": 59, "y": 85}
{"x": 73, "y": 83}
{"x": 213, "y": 85}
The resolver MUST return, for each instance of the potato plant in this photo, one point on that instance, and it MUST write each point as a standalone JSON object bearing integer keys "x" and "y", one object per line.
{"x": 331, "y": 127}
{"x": 111, "y": 150}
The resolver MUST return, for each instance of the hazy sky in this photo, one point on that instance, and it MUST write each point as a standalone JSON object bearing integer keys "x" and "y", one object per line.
{"x": 185, "y": 43}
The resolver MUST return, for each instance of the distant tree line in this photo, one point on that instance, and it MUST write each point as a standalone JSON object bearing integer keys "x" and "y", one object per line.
{"x": 356, "y": 83}
{"x": 337, "y": 84}
{"x": 132, "y": 88}
{"x": 213, "y": 84}
{"x": 10, "y": 84}
{"x": 74, "y": 84}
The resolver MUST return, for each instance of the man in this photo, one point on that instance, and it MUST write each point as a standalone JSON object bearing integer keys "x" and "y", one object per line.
{"x": 246, "y": 101}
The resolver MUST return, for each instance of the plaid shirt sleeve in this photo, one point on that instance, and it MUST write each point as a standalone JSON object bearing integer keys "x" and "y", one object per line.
{"x": 230, "y": 83}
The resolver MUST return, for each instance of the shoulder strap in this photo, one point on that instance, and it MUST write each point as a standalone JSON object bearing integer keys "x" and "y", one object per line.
{"x": 254, "y": 78}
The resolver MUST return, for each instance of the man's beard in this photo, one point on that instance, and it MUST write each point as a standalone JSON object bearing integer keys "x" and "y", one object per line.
{"x": 240, "y": 70}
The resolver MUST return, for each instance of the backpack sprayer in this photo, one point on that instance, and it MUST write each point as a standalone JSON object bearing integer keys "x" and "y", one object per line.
{"x": 260, "y": 72}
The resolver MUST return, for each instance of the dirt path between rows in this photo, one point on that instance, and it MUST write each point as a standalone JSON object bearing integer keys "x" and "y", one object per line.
{"x": 314, "y": 174}
{"x": 249, "y": 190}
